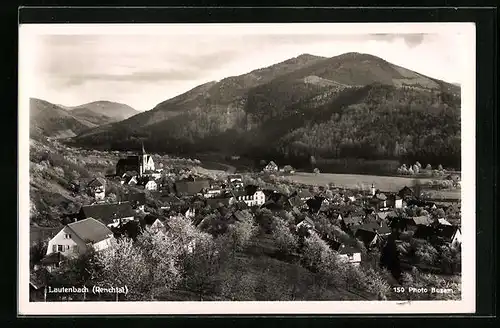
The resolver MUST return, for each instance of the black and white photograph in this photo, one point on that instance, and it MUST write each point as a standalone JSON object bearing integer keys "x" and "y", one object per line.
{"x": 247, "y": 168}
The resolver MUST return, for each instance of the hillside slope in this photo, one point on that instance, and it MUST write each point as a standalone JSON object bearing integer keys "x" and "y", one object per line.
{"x": 344, "y": 100}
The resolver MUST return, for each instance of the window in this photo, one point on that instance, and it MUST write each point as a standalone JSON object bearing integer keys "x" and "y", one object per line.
{"x": 54, "y": 248}
{"x": 67, "y": 247}
{"x": 60, "y": 248}
{"x": 67, "y": 236}
{"x": 350, "y": 257}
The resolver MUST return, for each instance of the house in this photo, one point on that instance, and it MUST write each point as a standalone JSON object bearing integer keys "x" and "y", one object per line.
{"x": 111, "y": 215}
{"x": 190, "y": 213}
{"x": 307, "y": 223}
{"x": 368, "y": 237}
{"x": 137, "y": 200}
{"x": 148, "y": 184}
{"x": 405, "y": 193}
{"x": 153, "y": 223}
{"x": 305, "y": 194}
{"x": 251, "y": 195}
{"x": 141, "y": 163}
{"x": 191, "y": 187}
{"x": 450, "y": 234}
{"x": 271, "y": 167}
{"x": 315, "y": 204}
{"x": 213, "y": 191}
{"x": 76, "y": 238}
{"x": 348, "y": 253}
{"x": 380, "y": 201}
{"x": 97, "y": 188}
{"x": 394, "y": 201}
{"x": 353, "y": 218}
{"x": 235, "y": 180}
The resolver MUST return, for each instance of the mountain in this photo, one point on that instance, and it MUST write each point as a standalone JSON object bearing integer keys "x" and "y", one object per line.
{"x": 50, "y": 120}
{"x": 115, "y": 111}
{"x": 352, "y": 105}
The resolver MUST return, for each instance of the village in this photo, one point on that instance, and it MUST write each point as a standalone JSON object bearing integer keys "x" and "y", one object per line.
{"x": 355, "y": 224}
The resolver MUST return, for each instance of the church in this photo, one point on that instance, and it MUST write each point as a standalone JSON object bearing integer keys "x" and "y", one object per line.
{"x": 141, "y": 164}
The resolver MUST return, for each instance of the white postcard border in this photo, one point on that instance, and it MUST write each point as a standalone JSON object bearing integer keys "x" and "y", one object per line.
{"x": 29, "y": 32}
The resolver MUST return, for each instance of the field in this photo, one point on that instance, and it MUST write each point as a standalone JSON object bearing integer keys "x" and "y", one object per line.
{"x": 354, "y": 181}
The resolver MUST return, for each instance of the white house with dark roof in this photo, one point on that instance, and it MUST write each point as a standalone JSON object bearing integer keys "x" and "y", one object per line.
{"x": 97, "y": 188}
{"x": 76, "y": 238}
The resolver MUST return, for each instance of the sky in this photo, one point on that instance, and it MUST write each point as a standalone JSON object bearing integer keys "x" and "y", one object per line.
{"x": 142, "y": 70}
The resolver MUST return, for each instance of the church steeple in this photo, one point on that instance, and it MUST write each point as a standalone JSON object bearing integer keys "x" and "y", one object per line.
{"x": 143, "y": 152}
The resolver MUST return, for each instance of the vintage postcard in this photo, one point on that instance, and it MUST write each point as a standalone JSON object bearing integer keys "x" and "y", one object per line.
{"x": 247, "y": 168}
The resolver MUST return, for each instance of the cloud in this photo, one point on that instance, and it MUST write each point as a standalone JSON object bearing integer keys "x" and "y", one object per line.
{"x": 411, "y": 39}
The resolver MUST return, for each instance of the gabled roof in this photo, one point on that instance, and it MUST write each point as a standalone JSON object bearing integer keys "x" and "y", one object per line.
{"x": 242, "y": 215}
{"x": 308, "y": 221}
{"x": 138, "y": 198}
{"x": 240, "y": 205}
{"x": 129, "y": 161}
{"x": 314, "y": 204}
{"x": 97, "y": 182}
{"x": 447, "y": 232}
{"x": 107, "y": 212}
{"x": 378, "y": 227}
{"x": 217, "y": 202}
{"x": 366, "y": 236}
{"x": 191, "y": 187}
{"x": 381, "y": 196}
{"x": 249, "y": 190}
{"x": 304, "y": 193}
{"x": 405, "y": 191}
{"x": 348, "y": 249}
{"x": 386, "y": 215}
{"x": 421, "y": 220}
{"x": 90, "y": 230}
{"x": 444, "y": 222}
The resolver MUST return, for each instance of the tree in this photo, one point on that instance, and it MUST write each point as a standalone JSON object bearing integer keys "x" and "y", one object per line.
{"x": 418, "y": 164}
{"x": 428, "y": 167}
{"x": 440, "y": 167}
{"x": 315, "y": 251}
{"x": 316, "y": 171}
{"x": 284, "y": 239}
{"x": 312, "y": 160}
{"x": 240, "y": 233}
{"x": 201, "y": 266}
{"x": 38, "y": 251}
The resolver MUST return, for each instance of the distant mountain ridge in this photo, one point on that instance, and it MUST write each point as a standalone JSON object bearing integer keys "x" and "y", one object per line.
{"x": 114, "y": 110}
{"x": 58, "y": 121}
{"x": 266, "y": 112}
